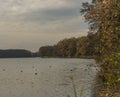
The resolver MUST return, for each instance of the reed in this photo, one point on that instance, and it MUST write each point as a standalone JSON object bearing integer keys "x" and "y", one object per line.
{"x": 74, "y": 87}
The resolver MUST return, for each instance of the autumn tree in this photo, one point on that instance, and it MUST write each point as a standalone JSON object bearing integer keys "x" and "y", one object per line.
{"x": 66, "y": 47}
{"x": 46, "y": 51}
{"x": 103, "y": 17}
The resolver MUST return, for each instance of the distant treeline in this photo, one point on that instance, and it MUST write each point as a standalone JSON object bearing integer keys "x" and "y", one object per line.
{"x": 16, "y": 53}
{"x": 72, "y": 47}
{"x": 82, "y": 47}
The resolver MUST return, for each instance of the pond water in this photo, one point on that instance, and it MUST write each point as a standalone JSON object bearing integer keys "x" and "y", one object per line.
{"x": 46, "y": 77}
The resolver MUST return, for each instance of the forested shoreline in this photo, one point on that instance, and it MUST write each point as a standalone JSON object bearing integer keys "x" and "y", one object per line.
{"x": 67, "y": 48}
{"x": 82, "y": 47}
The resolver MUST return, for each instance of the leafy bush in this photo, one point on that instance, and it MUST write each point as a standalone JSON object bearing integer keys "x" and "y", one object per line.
{"x": 110, "y": 73}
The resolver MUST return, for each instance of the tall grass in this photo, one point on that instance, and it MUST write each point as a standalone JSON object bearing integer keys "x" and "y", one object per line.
{"x": 74, "y": 87}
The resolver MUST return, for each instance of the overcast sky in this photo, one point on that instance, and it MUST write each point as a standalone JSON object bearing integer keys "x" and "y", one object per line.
{"x": 29, "y": 24}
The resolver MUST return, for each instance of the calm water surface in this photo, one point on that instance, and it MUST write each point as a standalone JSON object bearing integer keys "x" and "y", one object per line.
{"x": 37, "y": 77}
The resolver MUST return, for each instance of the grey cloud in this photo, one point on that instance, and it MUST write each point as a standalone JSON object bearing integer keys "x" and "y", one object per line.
{"x": 48, "y": 15}
{"x": 23, "y": 10}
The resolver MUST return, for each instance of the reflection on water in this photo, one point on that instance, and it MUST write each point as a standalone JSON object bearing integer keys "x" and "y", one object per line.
{"x": 37, "y": 77}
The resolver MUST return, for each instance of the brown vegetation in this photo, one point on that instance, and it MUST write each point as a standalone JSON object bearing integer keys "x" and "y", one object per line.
{"x": 104, "y": 19}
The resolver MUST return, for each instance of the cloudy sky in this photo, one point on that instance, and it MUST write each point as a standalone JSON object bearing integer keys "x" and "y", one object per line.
{"x": 29, "y": 24}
